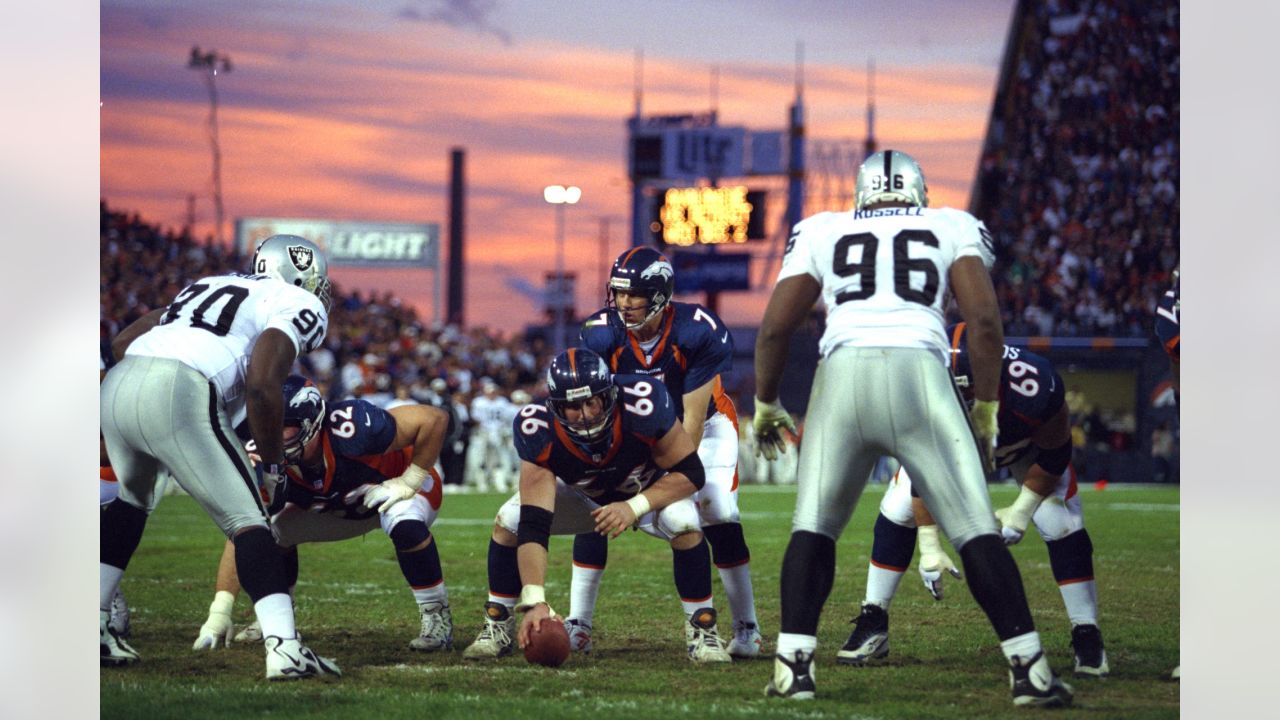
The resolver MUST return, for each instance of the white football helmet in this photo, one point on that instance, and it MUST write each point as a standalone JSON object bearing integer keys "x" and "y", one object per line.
{"x": 890, "y": 176}
{"x": 297, "y": 261}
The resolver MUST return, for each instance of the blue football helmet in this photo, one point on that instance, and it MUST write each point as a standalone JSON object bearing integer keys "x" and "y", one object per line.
{"x": 303, "y": 409}
{"x": 575, "y": 376}
{"x": 645, "y": 272}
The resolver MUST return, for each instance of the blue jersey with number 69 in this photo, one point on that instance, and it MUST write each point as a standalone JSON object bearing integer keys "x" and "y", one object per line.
{"x": 1031, "y": 392}
{"x": 619, "y": 465}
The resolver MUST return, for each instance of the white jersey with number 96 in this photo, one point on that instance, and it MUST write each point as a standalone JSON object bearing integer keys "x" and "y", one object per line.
{"x": 884, "y": 272}
{"x": 212, "y": 325}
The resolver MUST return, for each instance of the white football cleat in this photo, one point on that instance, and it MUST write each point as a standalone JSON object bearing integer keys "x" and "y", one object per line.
{"x": 579, "y": 635}
{"x": 746, "y": 642}
{"x": 1034, "y": 684}
{"x": 114, "y": 650}
{"x": 497, "y": 637}
{"x": 792, "y": 679}
{"x": 701, "y": 638}
{"x": 437, "y": 629}
{"x": 289, "y": 659}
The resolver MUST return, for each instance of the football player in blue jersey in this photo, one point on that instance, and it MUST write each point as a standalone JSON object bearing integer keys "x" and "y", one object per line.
{"x": 688, "y": 349}
{"x": 1034, "y": 443}
{"x": 604, "y": 453}
{"x": 353, "y": 467}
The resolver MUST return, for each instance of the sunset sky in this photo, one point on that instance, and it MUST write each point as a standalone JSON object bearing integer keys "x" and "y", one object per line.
{"x": 348, "y": 111}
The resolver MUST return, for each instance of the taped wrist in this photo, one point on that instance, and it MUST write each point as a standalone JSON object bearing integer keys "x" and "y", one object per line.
{"x": 1055, "y": 461}
{"x": 414, "y": 476}
{"x": 535, "y": 525}
{"x": 691, "y": 467}
{"x": 927, "y": 536}
{"x": 222, "y": 604}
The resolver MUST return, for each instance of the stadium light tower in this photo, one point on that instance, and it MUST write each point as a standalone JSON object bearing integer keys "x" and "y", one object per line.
{"x": 210, "y": 64}
{"x": 560, "y": 196}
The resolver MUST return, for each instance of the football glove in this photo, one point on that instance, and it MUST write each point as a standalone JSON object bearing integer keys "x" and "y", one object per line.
{"x": 770, "y": 420}
{"x": 1014, "y": 519}
{"x": 392, "y": 491}
{"x": 986, "y": 428}
{"x": 934, "y": 561}
{"x": 218, "y": 626}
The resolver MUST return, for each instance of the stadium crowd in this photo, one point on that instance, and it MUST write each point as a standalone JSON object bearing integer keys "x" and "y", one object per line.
{"x": 1079, "y": 180}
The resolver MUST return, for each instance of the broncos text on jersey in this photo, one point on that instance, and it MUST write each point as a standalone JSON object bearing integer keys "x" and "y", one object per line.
{"x": 615, "y": 467}
{"x": 693, "y": 347}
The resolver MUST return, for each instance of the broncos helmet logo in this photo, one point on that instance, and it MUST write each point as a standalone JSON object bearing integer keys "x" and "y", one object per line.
{"x": 307, "y": 395}
{"x": 301, "y": 256}
{"x": 659, "y": 268}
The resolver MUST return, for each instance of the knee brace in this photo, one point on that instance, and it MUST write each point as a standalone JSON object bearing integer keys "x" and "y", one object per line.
{"x": 409, "y": 534}
{"x": 893, "y": 546}
{"x": 1071, "y": 558}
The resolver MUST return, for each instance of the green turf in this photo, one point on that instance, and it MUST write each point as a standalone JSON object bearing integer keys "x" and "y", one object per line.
{"x": 354, "y": 606}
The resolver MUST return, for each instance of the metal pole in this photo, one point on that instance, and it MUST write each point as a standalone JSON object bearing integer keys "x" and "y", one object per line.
{"x": 560, "y": 338}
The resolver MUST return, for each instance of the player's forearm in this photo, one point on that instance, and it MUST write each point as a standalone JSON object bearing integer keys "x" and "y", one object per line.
{"x": 986, "y": 354}
{"x": 923, "y": 517}
{"x": 135, "y": 330}
{"x": 228, "y": 580}
{"x": 532, "y": 560}
{"x": 670, "y": 488}
{"x": 429, "y": 439}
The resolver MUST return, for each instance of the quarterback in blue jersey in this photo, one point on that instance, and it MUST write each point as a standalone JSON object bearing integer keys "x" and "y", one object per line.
{"x": 687, "y": 348}
{"x": 1034, "y": 443}
{"x": 353, "y": 467}
{"x": 604, "y": 453}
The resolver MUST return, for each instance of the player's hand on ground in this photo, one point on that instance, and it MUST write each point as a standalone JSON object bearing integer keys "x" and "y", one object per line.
{"x": 614, "y": 518}
{"x": 934, "y": 561}
{"x": 388, "y": 493}
{"x": 769, "y": 422}
{"x": 217, "y": 628}
{"x": 532, "y": 621}
{"x": 1009, "y": 530}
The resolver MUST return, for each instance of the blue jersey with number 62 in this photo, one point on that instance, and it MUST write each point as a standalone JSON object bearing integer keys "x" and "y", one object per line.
{"x": 617, "y": 466}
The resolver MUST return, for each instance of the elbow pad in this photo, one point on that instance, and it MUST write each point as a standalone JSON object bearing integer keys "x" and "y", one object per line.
{"x": 1055, "y": 461}
{"x": 691, "y": 467}
{"x": 535, "y": 525}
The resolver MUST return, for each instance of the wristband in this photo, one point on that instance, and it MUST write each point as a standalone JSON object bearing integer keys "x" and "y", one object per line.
{"x": 639, "y": 505}
{"x": 414, "y": 476}
{"x": 531, "y": 595}
{"x": 222, "y": 604}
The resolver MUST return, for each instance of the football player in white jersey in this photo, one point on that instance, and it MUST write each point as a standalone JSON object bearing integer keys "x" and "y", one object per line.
{"x": 882, "y": 388}
{"x": 488, "y": 457}
{"x": 189, "y": 373}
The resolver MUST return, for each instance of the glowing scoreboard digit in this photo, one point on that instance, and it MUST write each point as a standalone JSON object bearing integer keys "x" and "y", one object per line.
{"x": 708, "y": 216}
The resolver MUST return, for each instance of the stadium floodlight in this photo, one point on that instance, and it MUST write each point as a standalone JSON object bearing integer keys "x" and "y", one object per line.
{"x": 560, "y": 196}
{"x": 210, "y": 64}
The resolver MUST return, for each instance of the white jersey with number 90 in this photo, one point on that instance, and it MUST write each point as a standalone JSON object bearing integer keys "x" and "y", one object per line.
{"x": 212, "y": 325}
{"x": 884, "y": 272}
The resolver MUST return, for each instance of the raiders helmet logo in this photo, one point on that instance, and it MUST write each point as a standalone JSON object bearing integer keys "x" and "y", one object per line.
{"x": 302, "y": 257}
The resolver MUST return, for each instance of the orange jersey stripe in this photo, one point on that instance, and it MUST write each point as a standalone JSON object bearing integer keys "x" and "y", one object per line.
{"x": 107, "y": 473}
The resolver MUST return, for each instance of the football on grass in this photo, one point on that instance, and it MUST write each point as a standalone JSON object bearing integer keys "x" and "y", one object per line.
{"x": 549, "y": 645}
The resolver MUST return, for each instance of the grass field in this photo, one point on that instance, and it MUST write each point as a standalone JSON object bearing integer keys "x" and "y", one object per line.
{"x": 355, "y": 607}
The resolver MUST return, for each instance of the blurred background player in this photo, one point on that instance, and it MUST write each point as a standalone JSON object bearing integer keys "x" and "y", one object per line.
{"x": 1034, "y": 442}
{"x": 488, "y": 454}
{"x": 687, "y": 348}
{"x": 882, "y": 388}
{"x": 1169, "y": 330}
{"x": 189, "y": 373}
{"x": 353, "y": 467}
{"x": 604, "y": 453}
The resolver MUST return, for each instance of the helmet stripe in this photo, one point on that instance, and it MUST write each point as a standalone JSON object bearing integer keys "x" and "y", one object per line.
{"x": 888, "y": 168}
{"x": 573, "y": 363}
{"x": 627, "y": 257}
